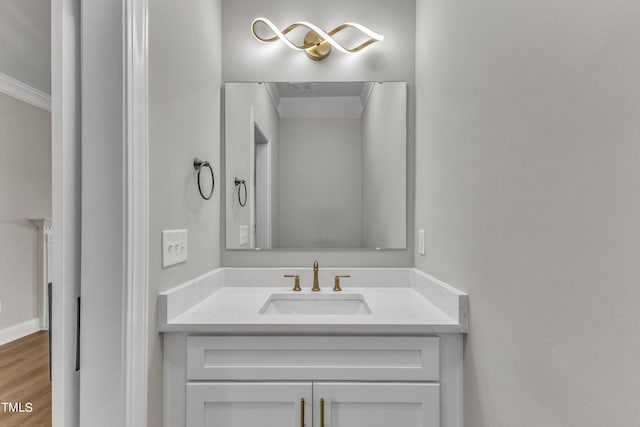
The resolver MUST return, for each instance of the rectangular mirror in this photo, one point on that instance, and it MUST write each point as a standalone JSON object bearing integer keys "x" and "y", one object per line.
{"x": 316, "y": 165}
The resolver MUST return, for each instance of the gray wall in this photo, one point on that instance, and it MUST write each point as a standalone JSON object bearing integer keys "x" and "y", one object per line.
{"x": 25, "y": 133}
{"x": 25, "y": 42}
{"x": 384, "y": 160}
{"x": 245, "y": 59}
{"x": 184, "y": 122}
{"x": 320, "y": 182}
{"x": 25, "y": 191}
{"x": 528, "y": 187}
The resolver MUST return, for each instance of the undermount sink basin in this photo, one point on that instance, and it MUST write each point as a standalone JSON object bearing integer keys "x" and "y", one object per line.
{"x": 315, "y": 304}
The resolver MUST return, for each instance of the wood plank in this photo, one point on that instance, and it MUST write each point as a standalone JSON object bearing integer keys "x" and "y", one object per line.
{"x": 24, "y": 377}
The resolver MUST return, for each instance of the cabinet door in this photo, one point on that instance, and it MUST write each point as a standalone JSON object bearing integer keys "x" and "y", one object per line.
{"x": 249, "y": 404}
{"x": 376, "y": 404}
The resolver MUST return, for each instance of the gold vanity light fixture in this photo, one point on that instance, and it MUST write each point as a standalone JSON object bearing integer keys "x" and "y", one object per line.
{"x": 317, "y": 43}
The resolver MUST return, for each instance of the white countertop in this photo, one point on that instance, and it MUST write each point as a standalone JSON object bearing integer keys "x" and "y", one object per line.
{"x": 395, "y": 310}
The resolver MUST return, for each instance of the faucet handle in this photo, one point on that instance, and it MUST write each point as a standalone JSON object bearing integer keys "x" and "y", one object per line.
{"x": 296, "y": 282}
{"x": 336, "y": 282}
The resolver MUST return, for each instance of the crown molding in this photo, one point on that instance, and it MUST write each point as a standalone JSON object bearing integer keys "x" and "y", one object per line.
{"x": 330, "y": 107}
{"x": 23, "y": 92}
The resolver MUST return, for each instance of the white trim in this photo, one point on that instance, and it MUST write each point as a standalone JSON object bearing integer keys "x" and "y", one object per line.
{"x": 269, "y": 196}
{"x": 266, "y": 219}
{"x": 136, "y": 289}
{"x": 23, "y": 92}
{"x": 329, "y": 107}
{"x": 66, "y": 200}
{"x": 18, "y": 331}
{"x": 274, "y": 95}
{"x": 367, "y": 90}
{"x": 44, "y": 259}
{"x": 252, "y": 165}
{"x": 41, "y": 223}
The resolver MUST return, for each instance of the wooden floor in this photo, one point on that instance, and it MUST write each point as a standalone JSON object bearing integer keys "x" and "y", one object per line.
{"x": 24, "y": 377}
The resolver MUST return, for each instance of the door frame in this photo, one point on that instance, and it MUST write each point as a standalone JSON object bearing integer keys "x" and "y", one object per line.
{"x": 262, "y": 212}
{"x": 254, "y": 121}
{"x": 136, "y": 194}
{"x": 65, "y": 180}
{"x": 122, "y": 319}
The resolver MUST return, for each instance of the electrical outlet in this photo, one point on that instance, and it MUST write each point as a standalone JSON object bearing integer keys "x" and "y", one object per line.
{"x": 174, "y": 247}
{"x": 244, "y": 235}
{"x": 422, "y": 250}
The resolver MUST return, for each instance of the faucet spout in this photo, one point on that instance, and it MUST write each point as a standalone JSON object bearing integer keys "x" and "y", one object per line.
{"x": 316, "y": 282}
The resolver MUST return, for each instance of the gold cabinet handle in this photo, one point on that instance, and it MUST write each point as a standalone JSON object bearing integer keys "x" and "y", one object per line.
{"x": 302, "y": 412}
{"x": 321, "y": 412}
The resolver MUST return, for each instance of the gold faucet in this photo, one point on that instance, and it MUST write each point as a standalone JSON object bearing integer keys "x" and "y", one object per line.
{"x": 316, "y": 283}
{"x": 336, "y": 282}
{"x": 296, "y": 286}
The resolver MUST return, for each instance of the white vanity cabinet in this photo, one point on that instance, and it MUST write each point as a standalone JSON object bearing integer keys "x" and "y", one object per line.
{"x": 313, "y": 381}
{"x": 319, "y": 404}
{"x": 251, "y": 404}
{"x": 227, "y": 363}
{"x": 338, "y": 404}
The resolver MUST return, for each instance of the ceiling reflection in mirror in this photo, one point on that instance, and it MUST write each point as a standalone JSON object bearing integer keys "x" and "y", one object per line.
{"x": 316, "y": 165}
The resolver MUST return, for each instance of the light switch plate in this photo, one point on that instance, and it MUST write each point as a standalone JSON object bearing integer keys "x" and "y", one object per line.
{"x": 422, "y": 250}
{"x": 174, "y": 247}
{"x": 244, "y": 235}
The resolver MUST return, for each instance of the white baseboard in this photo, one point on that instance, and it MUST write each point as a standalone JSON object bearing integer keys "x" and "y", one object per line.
{"x": 20, "y": 330}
